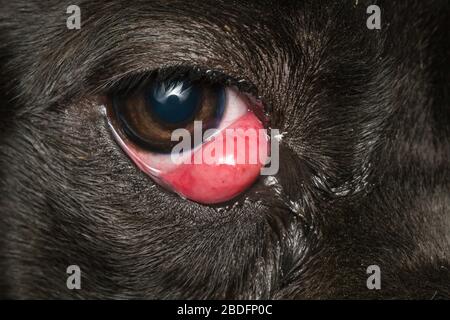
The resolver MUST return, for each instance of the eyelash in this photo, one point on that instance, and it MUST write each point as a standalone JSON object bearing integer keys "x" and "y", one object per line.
{"x": 134, "y": 82}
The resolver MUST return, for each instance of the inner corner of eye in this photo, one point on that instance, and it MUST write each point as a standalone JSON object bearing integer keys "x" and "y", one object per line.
{"x": 163, "y": 129}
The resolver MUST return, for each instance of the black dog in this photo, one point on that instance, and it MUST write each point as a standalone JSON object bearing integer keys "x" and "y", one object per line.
{"x": 364, "y": 173}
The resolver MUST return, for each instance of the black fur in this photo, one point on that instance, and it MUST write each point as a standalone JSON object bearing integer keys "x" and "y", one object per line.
{"x": 365, "y": 170}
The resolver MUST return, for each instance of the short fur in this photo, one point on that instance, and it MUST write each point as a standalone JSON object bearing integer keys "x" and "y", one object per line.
{"x": 365, "y": 170}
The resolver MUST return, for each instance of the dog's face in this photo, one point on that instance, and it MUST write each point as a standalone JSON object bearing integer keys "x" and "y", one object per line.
{"x": 364, "y": 175}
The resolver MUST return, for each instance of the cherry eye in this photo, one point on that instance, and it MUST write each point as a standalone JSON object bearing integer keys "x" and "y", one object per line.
{"x": 198, "y": 139}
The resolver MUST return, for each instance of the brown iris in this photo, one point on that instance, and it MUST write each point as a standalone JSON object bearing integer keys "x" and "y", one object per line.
{"x": 149, "y": 116}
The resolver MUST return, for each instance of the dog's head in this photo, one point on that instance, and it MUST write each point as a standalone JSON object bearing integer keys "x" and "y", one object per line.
{"x": 364, "y": 157}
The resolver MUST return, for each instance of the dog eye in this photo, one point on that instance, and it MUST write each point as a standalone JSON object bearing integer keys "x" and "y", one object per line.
{"x": 200, "y": 139}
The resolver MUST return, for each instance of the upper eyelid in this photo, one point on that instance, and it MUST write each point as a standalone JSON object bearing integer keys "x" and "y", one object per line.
{"x": 141, "y": 79}
{"x": 122, "y": 85}
{"x": 134, "y": 82}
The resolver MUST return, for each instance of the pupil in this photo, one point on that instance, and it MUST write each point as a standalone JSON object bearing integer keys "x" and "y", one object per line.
{"x": 174, "y": 102}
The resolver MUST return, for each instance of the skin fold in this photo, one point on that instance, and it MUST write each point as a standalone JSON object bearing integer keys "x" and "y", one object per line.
{"x": 364, "y": 174}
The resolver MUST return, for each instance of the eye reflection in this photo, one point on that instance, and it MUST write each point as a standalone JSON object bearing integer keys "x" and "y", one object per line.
{"x": 174, "y": 102}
